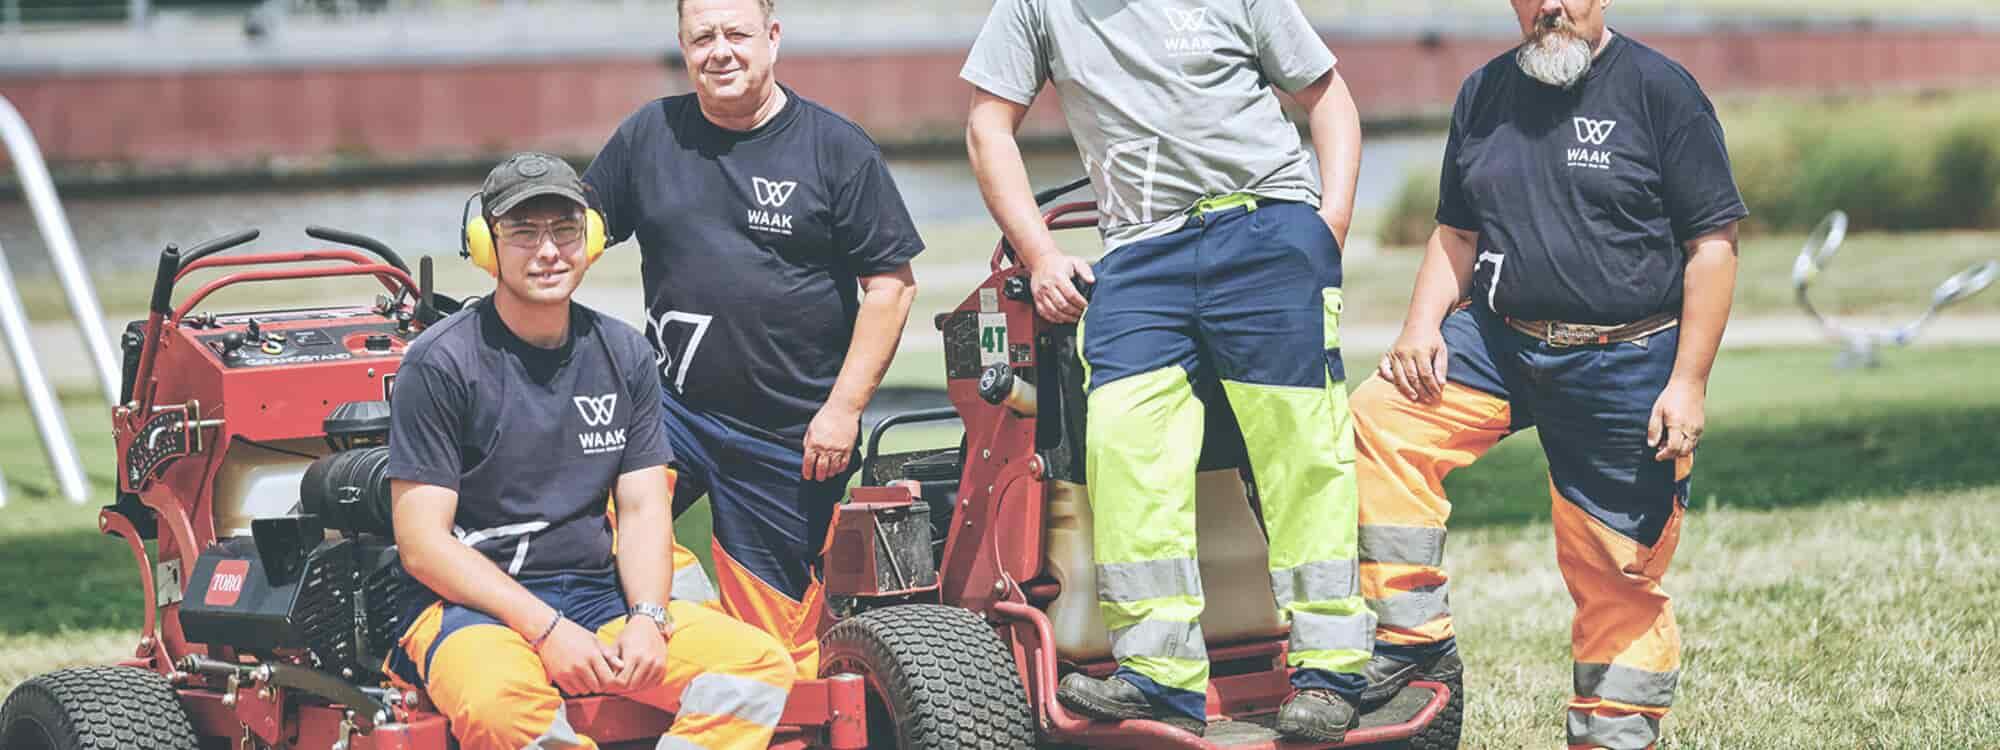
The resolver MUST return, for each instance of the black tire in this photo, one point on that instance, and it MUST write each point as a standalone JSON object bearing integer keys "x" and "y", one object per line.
{"x": 1443, "y": 731}
{"x": 95, "y": 708}
{"x": 938, "y": 678}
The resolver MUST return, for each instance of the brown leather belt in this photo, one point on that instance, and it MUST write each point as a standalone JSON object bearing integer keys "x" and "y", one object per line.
{"x": 1558, "y": 333}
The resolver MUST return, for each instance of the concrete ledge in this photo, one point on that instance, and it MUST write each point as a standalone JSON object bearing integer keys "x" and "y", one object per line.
{"x": 326, "y": 109}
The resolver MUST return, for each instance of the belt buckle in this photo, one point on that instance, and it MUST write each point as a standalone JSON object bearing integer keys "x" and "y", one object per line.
{"x": 1564, "y": 337}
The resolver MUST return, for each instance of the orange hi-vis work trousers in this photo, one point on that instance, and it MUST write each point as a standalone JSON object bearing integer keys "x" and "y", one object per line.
{"x": 726, "y": 682}
{"x": 1616, "y": 510}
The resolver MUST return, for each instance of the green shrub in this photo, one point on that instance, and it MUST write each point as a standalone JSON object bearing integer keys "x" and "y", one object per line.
{"x": 1413, "y": 213}
{"x": 1967, "y": 170}
{"x": 1894, "y": 163}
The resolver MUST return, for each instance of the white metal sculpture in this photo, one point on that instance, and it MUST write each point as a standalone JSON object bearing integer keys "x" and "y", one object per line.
{"x": 1863, "y": 344}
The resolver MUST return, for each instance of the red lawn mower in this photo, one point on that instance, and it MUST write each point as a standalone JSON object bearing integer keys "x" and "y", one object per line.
{"x": 960, "y": 579}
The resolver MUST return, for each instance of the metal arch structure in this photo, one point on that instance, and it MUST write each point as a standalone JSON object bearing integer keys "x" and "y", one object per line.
{"x": 1863, "y": 344}
{"x": 41, "y": 196}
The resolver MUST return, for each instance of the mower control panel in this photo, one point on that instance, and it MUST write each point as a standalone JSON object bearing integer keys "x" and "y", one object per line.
{"x": 303, "y": 337}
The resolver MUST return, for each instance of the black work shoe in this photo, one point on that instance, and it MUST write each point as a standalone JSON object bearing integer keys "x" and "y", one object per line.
{"x": 1388, "y": 676}
{"x": 1316, "y": 715}
{"x": 1113, "y": 699}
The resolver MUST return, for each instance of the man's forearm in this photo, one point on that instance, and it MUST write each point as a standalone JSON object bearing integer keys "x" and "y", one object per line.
{"x": 1336, "y": 138}
{"x": 1708, "y": 291}
{"x": 1003, "y": 183}
{"x": 878, "y": 328}
{"x": 646, "y": 549}
{"x": 1442, "y": 279}
{"x": 464, "y": 577}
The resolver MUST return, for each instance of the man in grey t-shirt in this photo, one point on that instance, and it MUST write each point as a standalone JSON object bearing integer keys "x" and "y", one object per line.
{"x": 1221, "y": 280}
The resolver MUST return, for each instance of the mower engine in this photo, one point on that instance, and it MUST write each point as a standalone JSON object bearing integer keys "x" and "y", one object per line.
{"x": 289, "y": 588}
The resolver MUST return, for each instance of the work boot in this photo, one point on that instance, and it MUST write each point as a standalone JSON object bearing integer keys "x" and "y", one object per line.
{"x": 1317, "y": 715}
{"x": 1387, "y": 676}
{"x": 1113, "y": 699}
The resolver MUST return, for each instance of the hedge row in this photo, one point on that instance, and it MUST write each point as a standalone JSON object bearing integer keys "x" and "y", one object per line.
{"x": 1894, "y": 163}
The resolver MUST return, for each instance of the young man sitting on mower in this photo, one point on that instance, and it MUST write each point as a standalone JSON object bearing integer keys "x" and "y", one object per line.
{"x": 513, "y": 420}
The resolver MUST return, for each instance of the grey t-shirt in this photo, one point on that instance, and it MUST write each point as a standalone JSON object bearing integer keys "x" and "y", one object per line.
{"x": 1168, "y": 101}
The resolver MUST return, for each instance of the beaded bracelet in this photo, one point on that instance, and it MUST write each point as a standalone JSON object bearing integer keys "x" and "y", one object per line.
{"x": 536, "y": 644}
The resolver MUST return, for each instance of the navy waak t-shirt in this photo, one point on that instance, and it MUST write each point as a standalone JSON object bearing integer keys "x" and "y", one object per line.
{"x": 532, "y": 439}
{"x": 1583, "y": 198}
{"x": 751, "y": 243}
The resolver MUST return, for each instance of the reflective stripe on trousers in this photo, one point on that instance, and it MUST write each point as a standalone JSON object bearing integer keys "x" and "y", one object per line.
{"x": 1612, "y": 731}
{"x": 691, "y": 584}
{"x": 1148, "y": 579}
{"x": 720, "y": 694}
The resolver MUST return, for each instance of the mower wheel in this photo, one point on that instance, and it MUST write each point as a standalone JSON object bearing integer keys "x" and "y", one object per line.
{"x": 95, "y": 708}
{"x": 938, "y": 677}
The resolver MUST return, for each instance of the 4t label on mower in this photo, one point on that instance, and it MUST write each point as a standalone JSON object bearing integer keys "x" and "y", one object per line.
{"x": 992, "y": 339}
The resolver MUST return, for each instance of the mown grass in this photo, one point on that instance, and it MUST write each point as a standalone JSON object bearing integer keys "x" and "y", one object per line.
{"x": 1865, "y": 624}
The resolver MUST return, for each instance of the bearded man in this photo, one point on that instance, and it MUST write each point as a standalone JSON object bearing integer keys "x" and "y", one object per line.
{"x": 1578, "y": 281}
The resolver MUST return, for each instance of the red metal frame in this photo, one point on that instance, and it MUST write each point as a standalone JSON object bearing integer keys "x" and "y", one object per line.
{"x": 382, "y": 271}
{"x": 1076, "y": 215}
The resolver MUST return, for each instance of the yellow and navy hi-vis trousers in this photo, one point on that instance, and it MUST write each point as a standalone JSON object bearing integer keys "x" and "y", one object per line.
{"x": 1617, "y": 511}
{"x": 726, "y": 682}
{"x": 1241, "y": 306}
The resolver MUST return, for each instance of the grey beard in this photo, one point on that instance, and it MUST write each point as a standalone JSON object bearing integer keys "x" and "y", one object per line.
{"x": 1555, "y": 58}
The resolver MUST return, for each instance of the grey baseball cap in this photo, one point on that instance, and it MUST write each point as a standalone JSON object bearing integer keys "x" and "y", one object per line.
{"x": 526, "y": 175}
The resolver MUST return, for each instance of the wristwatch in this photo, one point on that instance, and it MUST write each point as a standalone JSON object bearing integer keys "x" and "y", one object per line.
{"x": 656, "y": 612}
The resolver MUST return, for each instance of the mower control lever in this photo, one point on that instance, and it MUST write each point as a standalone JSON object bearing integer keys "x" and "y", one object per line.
{"x": 351, "y": 239}
{"x": 216, "y": 245}
{"x": 1043, "y": 198}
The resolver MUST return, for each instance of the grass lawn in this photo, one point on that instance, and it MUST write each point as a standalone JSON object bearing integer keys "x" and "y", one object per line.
{"x": 1880, "y": 274}
{"x": 1836, "y": 582}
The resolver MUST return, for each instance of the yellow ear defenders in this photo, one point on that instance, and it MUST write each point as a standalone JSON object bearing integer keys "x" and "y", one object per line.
{"x": 475, "y": 240}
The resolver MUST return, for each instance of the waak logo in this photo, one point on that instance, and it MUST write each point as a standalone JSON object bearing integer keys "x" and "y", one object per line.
{"x": 1592, "y": 133}
{"x": 1187, "y": 26}
{"x": 772, "y": 194}
{"x": 599, "y": 411}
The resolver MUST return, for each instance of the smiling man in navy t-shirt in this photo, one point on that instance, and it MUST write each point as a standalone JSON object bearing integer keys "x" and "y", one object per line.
{"x": 513, "y": 420}
{"x": 758, "y": 214}
{"x": 1588, "y": 211}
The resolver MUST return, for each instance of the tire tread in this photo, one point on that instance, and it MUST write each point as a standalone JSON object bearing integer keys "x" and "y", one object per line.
{"x": 103, "y": 708}
{"x": 951, "y": 679}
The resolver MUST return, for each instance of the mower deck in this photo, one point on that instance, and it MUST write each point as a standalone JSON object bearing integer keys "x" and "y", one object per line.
{"x": 1398, "y": 719}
